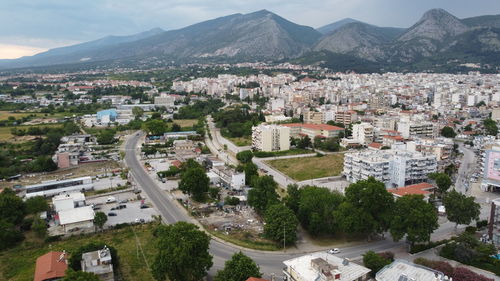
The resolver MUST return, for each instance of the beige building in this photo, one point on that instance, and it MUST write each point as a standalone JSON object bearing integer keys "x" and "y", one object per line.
{"x": 362, "y": 133}
{"x": 314, "y": 117}
{"x": 314, "y": 130}
{"x": 270, "y": 138}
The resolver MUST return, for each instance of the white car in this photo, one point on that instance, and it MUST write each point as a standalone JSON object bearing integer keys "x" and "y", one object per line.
{"x": 334, "y": 251}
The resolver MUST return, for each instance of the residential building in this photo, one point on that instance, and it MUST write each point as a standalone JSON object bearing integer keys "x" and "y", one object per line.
{"x": 392, "y": 167}
{"x": 51, "y": 266}
{"x": 77, "y": 218}
{"x": 324, "y": 267}
{"x": 491, "y": 166}
{"x": 363, "y": 133}
{"x": 423, "y": 188}
{"x": 100, "y": 263}
{"x": 270, "y": 137}
{"x": 314, "y": 117}
{"x": 164, "y": 100}
{"x": 346, "y": 117}
{"x": 411, "y": 129}
{"x": 67, "y": 201}
{"x": 400, "y": 270}
{"x": 494, "y": 223}
{"x": 314, "y": 130}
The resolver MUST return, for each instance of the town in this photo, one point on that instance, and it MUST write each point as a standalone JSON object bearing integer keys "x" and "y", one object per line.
{"x": 337, "y": 176}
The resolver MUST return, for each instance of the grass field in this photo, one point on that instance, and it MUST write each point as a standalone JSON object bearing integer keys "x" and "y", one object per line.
{"x": 19, "y": 263}
{"x": 243, "y": 141}
{"x": 186, "y": 122}
{"x": 305, "y": 168}
{"x": 18, "y": 115}
{"x": 5, "y": 134}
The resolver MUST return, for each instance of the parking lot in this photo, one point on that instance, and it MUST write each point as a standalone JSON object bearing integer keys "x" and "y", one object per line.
{"x": 130, "y": 214}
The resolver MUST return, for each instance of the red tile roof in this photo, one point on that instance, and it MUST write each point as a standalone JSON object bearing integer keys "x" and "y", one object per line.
{"x": 398, "y": 138}
{"x": 420, "y": 188}
{"x": 315, "y": 126}
{"x": 256, "y": 279}
{"x": 375, "y": 145}
{"x": 50, "y": 266}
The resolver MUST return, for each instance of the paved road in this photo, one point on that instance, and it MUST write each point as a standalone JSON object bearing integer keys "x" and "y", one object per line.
{"x": 269, "y": 262}
{"x": 465, "y": 170}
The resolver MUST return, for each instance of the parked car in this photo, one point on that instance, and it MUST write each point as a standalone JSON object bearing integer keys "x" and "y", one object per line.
{"x": 140, "y": 221}
{"x": 111, "y": 214}
{"x": 144, "y": 206}
{"x": 111, "y": 199}
{"x": 124, "y": 201}
{"x": 122, "y": 206}
{"x": 334, "y": 251}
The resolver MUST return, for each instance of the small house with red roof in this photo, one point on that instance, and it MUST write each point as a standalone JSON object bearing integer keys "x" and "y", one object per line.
{"x": 51, "y": 266}
{"x": 423, "y": 188}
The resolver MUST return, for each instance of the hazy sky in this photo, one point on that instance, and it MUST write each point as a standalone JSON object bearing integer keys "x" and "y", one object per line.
{"x": 30, "y": 26}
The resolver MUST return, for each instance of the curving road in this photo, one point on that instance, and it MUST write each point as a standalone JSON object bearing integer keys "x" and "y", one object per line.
{"x": 271, "y": 263}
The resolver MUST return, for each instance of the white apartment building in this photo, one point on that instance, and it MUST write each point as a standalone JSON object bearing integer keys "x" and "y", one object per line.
{"x": 412, "y": 128}
{"x": 393, "y": 167}
{"x": 164, "y": 100}
{"x": 270, "y": 138}
{"x": 494, "y": 223}
{"x": 362, "y": 133}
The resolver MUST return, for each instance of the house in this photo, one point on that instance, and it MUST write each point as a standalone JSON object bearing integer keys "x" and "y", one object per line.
{"x": 324, "y": 266}
{"x": 67, "y": 201}
{"x": 77, "y": 218}
{"x": 404, "y": 270}
{"x": 100, "y": 263}
{"x": 51, "y": 266}
{"x": 422, "y": 188}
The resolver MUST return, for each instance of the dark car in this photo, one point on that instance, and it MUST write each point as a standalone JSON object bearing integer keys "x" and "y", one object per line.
{"x": 144, "y": 206}
{"x": 111, "y": 214}
{"x": 124, "y": 201}
{"x": 119, "y": 207}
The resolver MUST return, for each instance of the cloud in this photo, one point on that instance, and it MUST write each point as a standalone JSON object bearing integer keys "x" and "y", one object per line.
{"x": 17, "y": 51}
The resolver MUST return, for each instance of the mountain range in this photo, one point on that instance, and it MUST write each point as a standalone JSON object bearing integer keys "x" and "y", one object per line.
{"x": 437, "y": 40}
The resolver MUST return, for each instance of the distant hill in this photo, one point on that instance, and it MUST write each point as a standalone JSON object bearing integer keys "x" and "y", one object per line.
{"x": 335, "y": 25}
{"x": 438, "y": 41}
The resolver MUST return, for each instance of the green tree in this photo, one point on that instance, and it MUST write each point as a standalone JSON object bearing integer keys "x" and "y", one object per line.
{"x": 9, "y": 235}
{"x": 100, "y": 219}
{"x": 304, "y": 142}
{"x": 239, "y": 268}
{"x": 292, "y": 199}
{"x": 106, "y": 137}
{"x": 281, "y": 224}
{"x": 367, "y": 208}
{"x": 443, "y": 181}
{"x": 182, "y": 253}
{"x": 72, "y": 275}
{"x": 245, "y": 156}
{"x": 490, "y": 126}
{"x": 316, "y": 206}
{"x": 251, "y": 171}
{"x": 176, "y": 127}
{"x": 374, "y": 261}
{"x": 137, "y": 111}
{"x": 194, "y": 181}
{"x": 461, "y": 209}
{"x": 263, "y": 194}
{"x": 39, "y": 226}
{"x": 36, "y": 205}
{"x": 414, "y": 217}
{"x": 155, "y": 127}
{"x": 448, "y": 132}
{"x": 12, "y": 207}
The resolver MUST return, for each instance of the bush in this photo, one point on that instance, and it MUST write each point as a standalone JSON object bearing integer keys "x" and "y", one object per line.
{"x": 482, "y": 223}
{"x": 244, "y": 156}
{"x": 26, "y": 224}
{"x": 471, "y": 229}
{"x": 50, "y": 239}
{"x": 429, "y": 245}
{"x": 231, "y": 201}
{"x": 374, "y": 262}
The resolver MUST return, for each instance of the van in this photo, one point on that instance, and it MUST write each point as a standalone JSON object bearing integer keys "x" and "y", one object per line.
{"x": 111, "y": 199}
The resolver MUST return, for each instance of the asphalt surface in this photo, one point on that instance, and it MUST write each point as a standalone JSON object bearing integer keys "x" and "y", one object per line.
{"x": 465, "y": 170}
{"x": 270, "y": 262}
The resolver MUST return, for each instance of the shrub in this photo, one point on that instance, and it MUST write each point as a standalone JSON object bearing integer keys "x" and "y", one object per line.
{"x": 482, "y": 223}
{"x": 471, "y": 229}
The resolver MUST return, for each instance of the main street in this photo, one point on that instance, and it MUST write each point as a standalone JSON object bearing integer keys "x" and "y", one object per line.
{"x": 171, "y": 212}
{"x": 464, "y": 171}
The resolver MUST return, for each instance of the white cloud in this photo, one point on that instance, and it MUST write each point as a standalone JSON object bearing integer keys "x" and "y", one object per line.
{"x": 17, "y": 51}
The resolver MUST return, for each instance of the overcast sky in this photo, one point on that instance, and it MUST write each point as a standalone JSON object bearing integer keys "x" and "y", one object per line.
{"x": 30, "y": 26}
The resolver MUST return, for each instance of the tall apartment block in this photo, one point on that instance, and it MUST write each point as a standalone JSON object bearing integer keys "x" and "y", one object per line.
{"x": 270, "y": 138}
{"x": 395, "y": 168}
